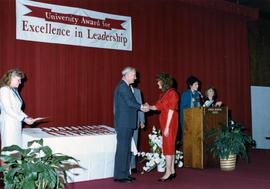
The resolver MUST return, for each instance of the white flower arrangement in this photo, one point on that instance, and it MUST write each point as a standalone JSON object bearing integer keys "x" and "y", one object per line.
{"x": 155, "y": 157}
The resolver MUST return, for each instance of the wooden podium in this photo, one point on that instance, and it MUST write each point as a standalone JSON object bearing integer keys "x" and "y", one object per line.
{"x": 197, "y": 122}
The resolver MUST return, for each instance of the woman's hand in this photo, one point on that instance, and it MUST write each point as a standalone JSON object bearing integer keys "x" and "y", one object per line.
{"x": 218, "y": 104}
{"x": 168, "y": 122}
{"x": 153, "y": 107}
{"x": 166, "y": 132}
{"x": 29, "y": 120}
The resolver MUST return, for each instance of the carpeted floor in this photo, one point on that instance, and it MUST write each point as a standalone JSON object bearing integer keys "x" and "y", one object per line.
{"x": 252, "y": 175}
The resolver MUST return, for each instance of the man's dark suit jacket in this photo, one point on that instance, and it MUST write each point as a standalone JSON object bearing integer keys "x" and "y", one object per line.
{"x": 125, "y": 107}
{"x": 125, "y": 121}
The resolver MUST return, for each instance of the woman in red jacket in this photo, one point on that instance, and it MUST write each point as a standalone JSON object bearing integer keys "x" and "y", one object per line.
{"x": 168, "y": 106}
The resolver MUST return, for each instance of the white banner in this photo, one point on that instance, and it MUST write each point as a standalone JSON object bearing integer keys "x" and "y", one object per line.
{"x": 50, "y": 23}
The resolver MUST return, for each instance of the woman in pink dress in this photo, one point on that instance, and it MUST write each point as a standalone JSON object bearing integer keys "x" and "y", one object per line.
{"x": 168, "y": 118}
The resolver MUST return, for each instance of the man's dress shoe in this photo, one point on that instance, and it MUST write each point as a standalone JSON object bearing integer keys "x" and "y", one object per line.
{"x": 134, "y": 170}
{"x": 132, "y": 178}
{"x": 124, "y": 180}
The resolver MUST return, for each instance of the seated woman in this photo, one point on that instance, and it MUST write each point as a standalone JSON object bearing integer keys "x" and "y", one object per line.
{"x": 210, "y": 99}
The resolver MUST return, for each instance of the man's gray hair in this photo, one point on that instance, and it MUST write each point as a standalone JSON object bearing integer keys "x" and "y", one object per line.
{"x": 127, "y": 70}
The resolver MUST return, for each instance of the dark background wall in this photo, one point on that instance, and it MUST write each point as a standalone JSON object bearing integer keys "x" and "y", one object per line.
{"x": 74, "y": 85}
{"x": 259, "y": 42}
{"x": 259, "y": 48}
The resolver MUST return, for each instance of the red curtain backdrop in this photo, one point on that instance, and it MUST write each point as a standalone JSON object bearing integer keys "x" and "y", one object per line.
{"x": 74, "y": 85}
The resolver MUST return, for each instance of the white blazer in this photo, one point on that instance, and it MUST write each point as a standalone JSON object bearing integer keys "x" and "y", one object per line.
{"x": 11, "y": 117}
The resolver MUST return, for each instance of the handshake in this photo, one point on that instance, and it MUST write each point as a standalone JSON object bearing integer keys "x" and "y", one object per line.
{"x": 146, "y": 107}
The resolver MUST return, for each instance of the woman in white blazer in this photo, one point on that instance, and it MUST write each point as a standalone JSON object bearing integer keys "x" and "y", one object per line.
{"x": 11, "y": 116}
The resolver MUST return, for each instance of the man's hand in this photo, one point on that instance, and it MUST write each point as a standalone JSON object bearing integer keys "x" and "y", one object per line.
{"x": 145, "y": 107}
{"x": 142, "y": 125}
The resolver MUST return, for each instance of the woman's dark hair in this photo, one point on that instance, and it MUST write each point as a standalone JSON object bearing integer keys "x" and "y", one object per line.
{"x": 191, "y": 80}
{"x": 166, "y": 81}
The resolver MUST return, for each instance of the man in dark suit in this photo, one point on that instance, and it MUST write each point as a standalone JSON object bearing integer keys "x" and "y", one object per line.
{"x": 125, "y": 121}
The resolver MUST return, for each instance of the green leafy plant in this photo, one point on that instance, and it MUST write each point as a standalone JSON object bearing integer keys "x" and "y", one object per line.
{"x": 33, "y": 167}
{"x": 229, "y": 140}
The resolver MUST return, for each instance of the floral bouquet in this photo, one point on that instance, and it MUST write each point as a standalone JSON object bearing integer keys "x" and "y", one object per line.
{"x": 155, "y": 158}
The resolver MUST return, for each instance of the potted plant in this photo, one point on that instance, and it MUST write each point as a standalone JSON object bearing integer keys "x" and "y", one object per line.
{"x": 33, "y": 167}
{"x": 229, "y": 141}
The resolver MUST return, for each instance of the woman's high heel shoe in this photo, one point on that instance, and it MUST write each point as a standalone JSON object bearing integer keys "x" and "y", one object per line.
{"x": 173, "y": 175}
{"x": 166, "y": 179}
